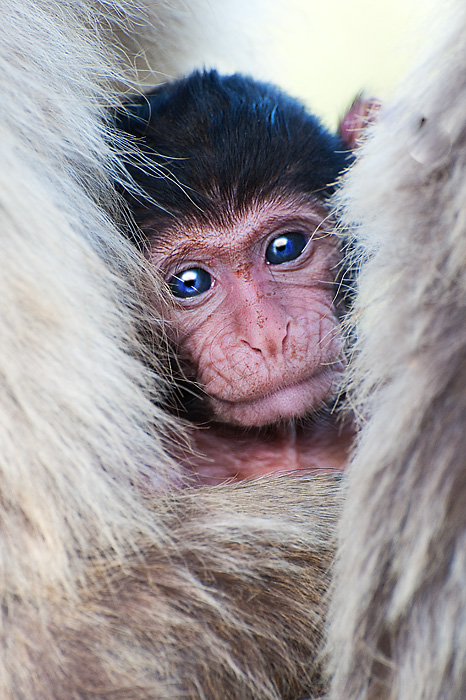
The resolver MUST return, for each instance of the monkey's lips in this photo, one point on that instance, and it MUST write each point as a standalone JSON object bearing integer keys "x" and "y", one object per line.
{"x": 283, "y": 403}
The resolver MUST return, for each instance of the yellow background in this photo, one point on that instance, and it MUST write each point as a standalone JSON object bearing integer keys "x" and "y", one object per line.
{"x": 329, "y": 50}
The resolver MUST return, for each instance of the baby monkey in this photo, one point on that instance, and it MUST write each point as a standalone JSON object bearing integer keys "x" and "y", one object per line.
{"x": 235, "y": 217}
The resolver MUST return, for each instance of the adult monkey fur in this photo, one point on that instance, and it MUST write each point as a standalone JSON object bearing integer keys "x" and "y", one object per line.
{"x": 74, "y": 421}
{"x": 105, "y": 591}
{"x": 234, "y": 213}
{"x": 399, "y": 596}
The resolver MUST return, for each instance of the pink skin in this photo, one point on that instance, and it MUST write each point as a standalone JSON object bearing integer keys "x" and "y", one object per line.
{"x": 361, "y": 114}
{"x": 228, "y": 453}
{"x": 264, "y": 341}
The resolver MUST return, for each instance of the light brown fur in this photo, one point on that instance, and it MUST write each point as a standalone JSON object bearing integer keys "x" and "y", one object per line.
{"x": 223, "y": 601}
{"x": 398, "y": 617}
{"x": 113, "y": 584}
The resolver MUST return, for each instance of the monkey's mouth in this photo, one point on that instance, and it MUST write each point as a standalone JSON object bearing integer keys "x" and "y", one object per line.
{"x": 283, "y": 403}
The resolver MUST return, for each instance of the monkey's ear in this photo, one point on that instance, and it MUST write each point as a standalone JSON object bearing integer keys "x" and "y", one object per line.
{"x": 363, "y": 111}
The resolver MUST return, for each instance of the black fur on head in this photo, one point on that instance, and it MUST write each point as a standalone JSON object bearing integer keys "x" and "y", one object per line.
{"x": 225, "y": 142}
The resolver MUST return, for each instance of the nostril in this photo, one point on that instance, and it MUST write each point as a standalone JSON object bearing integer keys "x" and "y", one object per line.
{"x": 286, "y": 335}
{"x": 250, "y": 346}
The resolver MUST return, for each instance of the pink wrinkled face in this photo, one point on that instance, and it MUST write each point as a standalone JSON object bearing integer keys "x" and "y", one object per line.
{"x": 254, "y": 318}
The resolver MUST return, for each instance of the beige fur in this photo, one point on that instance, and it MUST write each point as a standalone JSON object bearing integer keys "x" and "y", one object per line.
{"x": 107, "y": 591}
{"x": 399, "y": 612}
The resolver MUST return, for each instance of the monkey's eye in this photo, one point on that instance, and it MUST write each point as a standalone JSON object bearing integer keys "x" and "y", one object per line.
{"x": 190, "y": 283}
{"x": 286, "y": 247}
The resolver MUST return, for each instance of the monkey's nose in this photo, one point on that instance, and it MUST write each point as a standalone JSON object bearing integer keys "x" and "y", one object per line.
{"x": 264, "y": 333}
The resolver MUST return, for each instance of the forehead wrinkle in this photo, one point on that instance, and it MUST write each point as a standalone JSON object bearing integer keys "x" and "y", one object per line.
{"x": 193, "y": 239}
{"x": 182, "y": 239}
{"x": 264, "y": 217}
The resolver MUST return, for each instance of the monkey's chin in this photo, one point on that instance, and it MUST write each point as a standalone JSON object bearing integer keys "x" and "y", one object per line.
{"x": 285, "y": 403}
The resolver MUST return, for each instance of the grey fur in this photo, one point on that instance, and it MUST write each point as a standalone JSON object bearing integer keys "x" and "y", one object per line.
{"x": 398, "y": 617}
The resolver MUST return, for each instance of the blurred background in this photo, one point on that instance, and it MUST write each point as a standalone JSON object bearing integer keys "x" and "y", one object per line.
{"x": 332, "y": 49}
